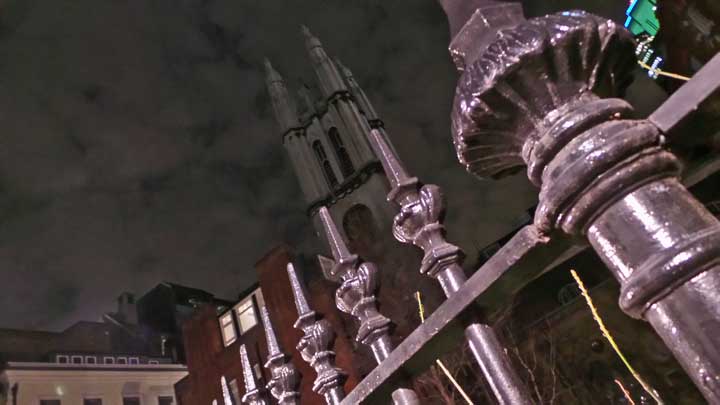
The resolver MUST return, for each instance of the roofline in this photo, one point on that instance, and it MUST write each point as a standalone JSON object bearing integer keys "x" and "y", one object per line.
{"x": 279, "y": 247}
{"x": 95, "y": 367}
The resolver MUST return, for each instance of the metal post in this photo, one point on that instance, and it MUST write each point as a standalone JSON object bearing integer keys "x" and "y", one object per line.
{"x": 531, "y": 95}
{"x": 419, "y": 222}
{"x": 356, "y": 296}
{"x": 315, "y": 344}
{"x": 253, "y": 394}
{"x": 285, "y": 378}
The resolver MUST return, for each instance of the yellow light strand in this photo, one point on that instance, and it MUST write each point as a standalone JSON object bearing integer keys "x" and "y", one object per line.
{"x": 608, "y": 336}
{"x": 421, "y": 310}
{"x": 662, "y": 72}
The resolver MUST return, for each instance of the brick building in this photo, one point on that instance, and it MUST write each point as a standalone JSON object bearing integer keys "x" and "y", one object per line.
{"x": 215, "y": 336}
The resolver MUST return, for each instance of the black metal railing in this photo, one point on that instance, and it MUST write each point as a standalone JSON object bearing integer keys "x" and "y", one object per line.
{"x": 539, "y": 94}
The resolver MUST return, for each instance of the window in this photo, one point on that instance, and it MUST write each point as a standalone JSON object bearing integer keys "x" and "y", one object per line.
{"x": 346, "y": 165}
{"x": 245, "y": 312}
{"x": 165, "y": 401}
{"x": 258, "y": 372}
{"x": 62, "y": 360}
{"x": 134, "y": 360}
{"x": 131, "y": 401}
{"x": 92, "y": 401}
{"x": 121, "y": 360}
{"x": 108, "y": 360}
{"x": 228, "y": 329}
{"x": 322, "y": 159}
{"x": 90, "y": 360}
{"x": 50, "y": 401}
{"x": 77, "y": 359}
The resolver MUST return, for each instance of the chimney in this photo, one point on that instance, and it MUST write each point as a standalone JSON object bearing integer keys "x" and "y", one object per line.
{"x": 127, "y": 311}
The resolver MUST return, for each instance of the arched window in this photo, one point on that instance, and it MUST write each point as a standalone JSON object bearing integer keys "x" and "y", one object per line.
{"x": 324, "y": 163}
{"x": 346, "y": 165}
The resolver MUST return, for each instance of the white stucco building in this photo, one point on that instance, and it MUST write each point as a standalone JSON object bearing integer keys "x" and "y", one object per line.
{"x": 92, "y": 384}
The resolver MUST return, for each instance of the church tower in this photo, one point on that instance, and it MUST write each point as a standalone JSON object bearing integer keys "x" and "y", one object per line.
{"x": 325, "y": 135}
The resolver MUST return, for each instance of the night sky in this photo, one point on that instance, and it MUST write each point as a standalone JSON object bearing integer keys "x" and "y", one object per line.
{"x": 138, "y": 143}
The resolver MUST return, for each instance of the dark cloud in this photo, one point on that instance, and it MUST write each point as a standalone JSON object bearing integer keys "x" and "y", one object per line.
{"x": 138, "y": 143}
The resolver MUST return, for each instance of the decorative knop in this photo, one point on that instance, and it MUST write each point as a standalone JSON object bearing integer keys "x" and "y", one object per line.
{"x": 422, "y": 209}
{"x": 356, "y": 294}
{"x": 284, "y": 377}
{"x": 315, "y": 344}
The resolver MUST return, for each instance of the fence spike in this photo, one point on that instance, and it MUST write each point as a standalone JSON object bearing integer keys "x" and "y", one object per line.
{"x": 299, "y": 293}
{"x": 284, "y": 375}
{"x": 253, "y": 395}
{"x": 356, "y": 296}
{"x": 315, "y": 345}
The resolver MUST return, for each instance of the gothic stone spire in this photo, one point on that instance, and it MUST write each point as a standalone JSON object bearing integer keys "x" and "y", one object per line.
{"x": 283, "y": 105}
{"x": 330, "y": 80}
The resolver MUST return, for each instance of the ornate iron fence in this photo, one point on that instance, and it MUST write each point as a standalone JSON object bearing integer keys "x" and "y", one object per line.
{"x": 539, "y": 94}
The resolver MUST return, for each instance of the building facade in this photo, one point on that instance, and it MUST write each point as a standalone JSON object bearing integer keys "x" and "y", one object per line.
{"x": 132, "y": 356}
{"x": 92, "y": 384}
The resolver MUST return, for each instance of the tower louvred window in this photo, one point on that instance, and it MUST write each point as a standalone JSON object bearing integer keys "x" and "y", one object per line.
{"x": 346, "y": 165}
{"x": 325, "y": 163}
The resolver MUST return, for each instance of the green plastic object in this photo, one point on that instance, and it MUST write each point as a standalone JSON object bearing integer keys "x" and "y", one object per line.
{"x": 641, "y": 18}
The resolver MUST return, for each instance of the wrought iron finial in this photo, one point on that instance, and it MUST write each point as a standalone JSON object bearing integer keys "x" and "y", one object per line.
{"x": 394, "y": 170}
{"x": 337, "y": 245}
{"x": 253, "y": 395}
{"x": 284, "y": 377}
{"x": 315, "y": 345}
{"x": 299, "y": 293}
{"x": 344, "y": 260}
{"x": 270, "y": 337}
{"x": 356, "y": 294}
{"x": 422, "y": 208}
{"x": 227, "y": 399}
{"x": 420, "y": 222}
